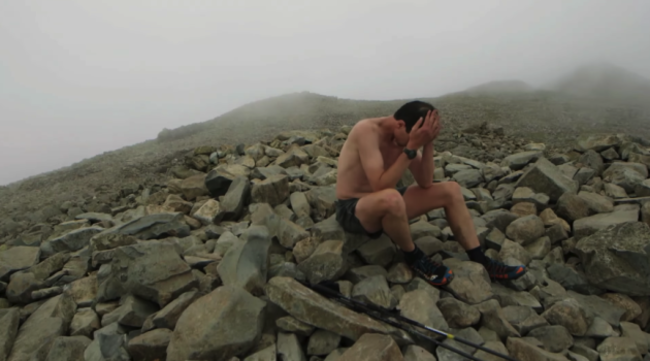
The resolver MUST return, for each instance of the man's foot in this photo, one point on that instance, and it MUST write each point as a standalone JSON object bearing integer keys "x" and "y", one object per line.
{"x": 432, "y": 272}
{"x": 498, "y": 270}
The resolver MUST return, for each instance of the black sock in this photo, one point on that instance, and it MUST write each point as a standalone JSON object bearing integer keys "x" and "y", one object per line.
{"x": 413, "y": 256}
{"x": 477, "y": 255}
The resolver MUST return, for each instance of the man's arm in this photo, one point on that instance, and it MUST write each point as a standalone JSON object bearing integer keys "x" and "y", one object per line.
{"x": 373, "y": 164}
{"x": 422, "y": 166}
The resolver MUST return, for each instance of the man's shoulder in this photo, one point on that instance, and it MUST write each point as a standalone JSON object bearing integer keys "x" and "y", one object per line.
{"x": 364, "y": 126}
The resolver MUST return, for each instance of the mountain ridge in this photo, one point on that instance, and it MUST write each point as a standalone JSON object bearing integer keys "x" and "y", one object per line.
{"x": 544, "y": 115}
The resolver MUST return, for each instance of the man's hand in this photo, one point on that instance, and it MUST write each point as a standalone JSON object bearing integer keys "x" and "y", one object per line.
{"x": 425, "y": 130}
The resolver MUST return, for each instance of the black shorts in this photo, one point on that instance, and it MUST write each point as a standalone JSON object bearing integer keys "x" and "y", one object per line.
{"x": 345, "y": 215}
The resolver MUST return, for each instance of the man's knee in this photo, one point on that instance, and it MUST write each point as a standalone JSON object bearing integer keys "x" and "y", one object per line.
{"x": 452, "y": 192}
{"x": 391, "y": 201}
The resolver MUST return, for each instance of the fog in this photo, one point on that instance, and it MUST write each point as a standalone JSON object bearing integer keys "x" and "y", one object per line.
{"x": 78, "y": 78}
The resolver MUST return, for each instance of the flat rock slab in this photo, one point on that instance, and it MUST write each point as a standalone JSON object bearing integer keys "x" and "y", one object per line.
{"x": 312, "y": 308}
{"x": 75, "y": 240}
{"x": 154, "y": 226}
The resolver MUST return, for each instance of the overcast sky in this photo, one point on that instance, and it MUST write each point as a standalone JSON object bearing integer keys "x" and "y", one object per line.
{"x": 79, "y": 77}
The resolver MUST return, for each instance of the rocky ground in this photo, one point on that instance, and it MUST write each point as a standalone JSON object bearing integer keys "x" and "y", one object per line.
{"x": 208, "y": 265}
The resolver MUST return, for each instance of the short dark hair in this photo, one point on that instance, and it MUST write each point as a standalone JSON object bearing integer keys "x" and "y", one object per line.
{"x": 412, "y": 111}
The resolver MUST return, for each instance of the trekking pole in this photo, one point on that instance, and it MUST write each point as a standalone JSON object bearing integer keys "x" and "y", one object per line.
{"x": 366, "y": 306}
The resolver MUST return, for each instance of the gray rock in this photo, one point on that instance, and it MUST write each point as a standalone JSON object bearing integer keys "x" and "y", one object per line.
{"x": 374, "y": 290}
{"x": 469, "y": 334}
{"x": 545, "y": 177}
{"x": 614, "y": 191}
{"x": 68, "y": 348}
{"x": 245, "y": 264}
{"x": 153, "y": 226}
{"x": 468, "y": 178}
{"x": 9, "y": 322}
{"x": 618, "y": 348}
{"x": 493, "y": 318}
{"x": 626, "y": 175}
{"x": 209, "y": 213}
{"x": 236, "y": 199}
{"x": 643, "y": 189}
{"x": 525, "y": 230}
{"x": 300, "y": 204}
{"x": 218, "y": 180}
{"x": 417, "y": 353}
{"x": 518, "y": 161}
{"x": 471, "y": 282}
{"x": 326, "y": 263}
{"x": 499, "y": 218}
{"x": 322, "y": 342}
{"x": 210, "y": 328}
{"x": 312, "y": 308}
{"x": 150, "y": 345}
{"x": 291, "y": 325}
{"x": 132, "y": 312}
{"x": 572, "y": 279}
{"x": 616, "y": 258}
{"x": 152, "y": 270}
{"x": 420, "y": 306}
{"x": 193, "y": 187}
{"x": 38, "y": 332}
{"x": 523, "y": 318}
{"x": 75, "y": 240}
{"x": 633, "y": 331}
{"x": 358, "y": 274}
{"x": 497, "y": 346}
{"x": 555, "y": 338}
{"x": 622, "y": 214}
{"x": 400, "y": 273}
{"x": 273, "y": 190}
{"x": 570, "y": 314}
{"x": 521, "y": 349}
{"x": 379, "y": 251}
{"x": 289, "y": 348}
{"x": 373, "y": 347}
{"x": 539, "y": 248}
{"x": 458, "y": 314}
{"x": 17, "y": 258}
{"x": 84, "y": 322}
{"x": 596, "y": 142}
{"x": 597, "y": 203}
{"x": 290, "y": 233}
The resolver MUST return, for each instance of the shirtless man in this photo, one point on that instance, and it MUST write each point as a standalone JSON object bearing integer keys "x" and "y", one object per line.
{"x": 375, "y": 155}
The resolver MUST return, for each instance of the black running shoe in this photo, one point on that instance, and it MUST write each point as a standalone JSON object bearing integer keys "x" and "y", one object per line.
{"x": 501, "y": 271}
{"x": 434, "y": 273}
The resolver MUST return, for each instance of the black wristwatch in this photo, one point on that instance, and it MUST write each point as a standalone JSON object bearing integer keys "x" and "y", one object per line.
{"x": 411, "y": 153}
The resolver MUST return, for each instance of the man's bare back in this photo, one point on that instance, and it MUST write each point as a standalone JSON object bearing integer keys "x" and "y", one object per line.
{"x": 352, "y": 181}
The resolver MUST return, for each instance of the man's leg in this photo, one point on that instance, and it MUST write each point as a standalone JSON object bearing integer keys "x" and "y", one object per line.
{"x": 386, "y": 210}
{"x": 448, "y": 195}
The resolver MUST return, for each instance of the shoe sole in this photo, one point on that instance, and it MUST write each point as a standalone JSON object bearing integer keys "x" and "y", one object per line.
{"x": 515, "y": 277}
{"x": 437, "y": 284}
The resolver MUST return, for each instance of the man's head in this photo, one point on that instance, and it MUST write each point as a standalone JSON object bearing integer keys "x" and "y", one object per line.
{"x": 406, "y": 117}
